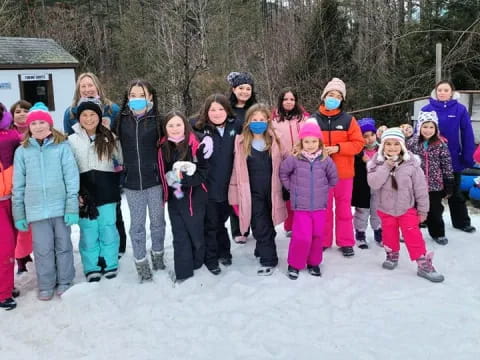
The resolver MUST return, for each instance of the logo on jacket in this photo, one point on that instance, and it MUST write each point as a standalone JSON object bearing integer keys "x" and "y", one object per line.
{"x": 232, "y": 132}
{"x": 452, "y": 116}
{"x": 339, "y": 127}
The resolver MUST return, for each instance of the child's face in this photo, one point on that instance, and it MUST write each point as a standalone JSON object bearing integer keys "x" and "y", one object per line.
{"x": 427, "y": 130}
{"x": 20, "y": 115}
{"x": 89, "y": 120}
{"x": 335, "y": 94}
{"x": 138, "y": 92}
{"x": 370, "y": 137}
{"x": 407, "y": 130}
{"x": 39, "y": 129}
{"x": 444, "y": 92}
{"x": 87, "y": 88}
{"x": 175, "y": 127}
{"x": 392, "y": 147}
{"x": 288, "y": 102}
{"x": 380, "y": 131}
{"x": 310, "y": 144}
{"x": 258, "y": 116}
{"x": 243, "y": 93}
{"x": 217, "y": 114}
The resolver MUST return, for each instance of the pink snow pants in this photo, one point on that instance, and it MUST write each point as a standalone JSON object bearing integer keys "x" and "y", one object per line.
{"x": 409, "y": 224}
{"x": 24, "y": 244}
{"x": 342, "y": 193}
{"x": 7, "y": 249}
{"x": 306, "y": 245}
{"x": 287, "y": 225}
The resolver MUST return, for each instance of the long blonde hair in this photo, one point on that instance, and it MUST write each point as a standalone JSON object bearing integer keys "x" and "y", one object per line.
{"x": 98, "y": 85}
{"x": 58, "y": 137}
{"x": 269, "y": 134}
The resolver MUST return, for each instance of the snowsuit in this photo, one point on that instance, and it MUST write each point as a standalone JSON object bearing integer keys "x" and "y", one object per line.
{"x": 308, "y": 183}
{"x": 340, "y": 129}
{"x": 45, "y": 188}
{"x": 399, "y": 208}
{"x": 187, "y": 214}
{"x": 100, "y": 191}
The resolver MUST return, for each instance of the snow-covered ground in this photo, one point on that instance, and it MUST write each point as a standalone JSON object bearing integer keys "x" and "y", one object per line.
{"x": 356, "y": 310}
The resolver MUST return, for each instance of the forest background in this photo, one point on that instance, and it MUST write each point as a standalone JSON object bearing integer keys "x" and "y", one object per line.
{"x": 383, "y": 49}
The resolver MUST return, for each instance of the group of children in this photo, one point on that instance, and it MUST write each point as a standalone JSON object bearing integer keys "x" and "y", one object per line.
{"x": 264, "y": 169}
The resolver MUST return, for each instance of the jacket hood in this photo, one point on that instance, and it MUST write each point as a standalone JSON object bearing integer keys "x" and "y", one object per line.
{"x": 455, "y": 96}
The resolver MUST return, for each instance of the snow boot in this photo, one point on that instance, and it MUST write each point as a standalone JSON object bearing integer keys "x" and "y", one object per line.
{"x": 157, "y": 260}
{"x": 225, "y": 261}
{"x": 426, "y": 269}
{"x": 314, "y": 270}
{"x": 265, "y": 270}
{"x": 391, "y": 262}
{"x": 215, "y": 270}
{"x": 62, "y": 289}
{"x": 441, "y": 240}
{"x": 45, "y": 295}
{"x": 143, "y": 269}
{"x": 377, "y": 235}
{"x": 347, "y": 251}
{"x": 110, "y": 274}
{"x": 292, "y": 273}
{"x": 8, "y": 304}
{"x": 93, "y": 276}
{"x": 361, "y": 239}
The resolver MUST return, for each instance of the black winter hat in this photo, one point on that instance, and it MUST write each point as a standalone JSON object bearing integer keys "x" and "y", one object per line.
{"x": 238, "y": 78}
{"x": 89, "y": 105}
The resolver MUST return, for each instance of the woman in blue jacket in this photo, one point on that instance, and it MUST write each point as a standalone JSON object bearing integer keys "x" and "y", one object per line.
{"x": 455, "y": 125}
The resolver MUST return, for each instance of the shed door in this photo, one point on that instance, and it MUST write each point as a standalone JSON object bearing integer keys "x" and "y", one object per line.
{"x": 37, "y": 87}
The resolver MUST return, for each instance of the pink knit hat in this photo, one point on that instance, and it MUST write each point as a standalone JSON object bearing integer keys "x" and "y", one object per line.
{"x": 310, "y": 128}
{"x": 335, "y": 84}
{"x": 39, "y": 112}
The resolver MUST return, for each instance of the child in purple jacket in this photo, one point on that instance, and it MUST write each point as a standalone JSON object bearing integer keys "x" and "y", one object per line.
{"x": 308, "y": 175}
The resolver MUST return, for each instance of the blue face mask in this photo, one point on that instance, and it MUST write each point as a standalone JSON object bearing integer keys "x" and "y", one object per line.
{"x": 258, "y": 127}
{"x": 331, "y": 103}
{"x": 137, "y": 104}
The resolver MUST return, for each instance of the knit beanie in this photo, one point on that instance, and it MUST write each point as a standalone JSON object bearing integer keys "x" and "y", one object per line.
{"x": 335, "y": 84}
{"x": 6, "y": 118}
{"x": 39, "y": 112}
{"x": 425, "y": 116}
{"x": 367, "y": 124}
{"x": 239, "y": 78}
{"x": 89, "y": 105}
{"x": 310, "y": 128}
{"x": 393, "y": 134}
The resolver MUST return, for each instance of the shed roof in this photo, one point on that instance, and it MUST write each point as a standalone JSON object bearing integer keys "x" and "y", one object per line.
{"x": 17, "y": 52}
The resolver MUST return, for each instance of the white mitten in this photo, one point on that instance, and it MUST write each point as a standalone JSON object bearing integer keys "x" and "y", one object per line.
{"x": 185, "y": 166}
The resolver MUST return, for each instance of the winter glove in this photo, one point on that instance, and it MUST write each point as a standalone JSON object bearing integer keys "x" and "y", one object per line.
{"x": 21, "y": 225}
{"x": 89, "y": 209}
{"x": 71, "y": 219}
{"x": 285, "y": 194}
{"x": 185, "y": 166}
{"x": 208, "y": 147}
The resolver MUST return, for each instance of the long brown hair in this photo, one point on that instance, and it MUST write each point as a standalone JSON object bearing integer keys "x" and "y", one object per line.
{"x": 203, "y": 119}
{"x": 269, "y": 135}
{"x": 183, "y": 147}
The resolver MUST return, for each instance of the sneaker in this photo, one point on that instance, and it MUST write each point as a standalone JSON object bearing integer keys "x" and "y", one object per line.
{"x": 441, "y": 240}
{"x": 93, "y": 276}
{"x": 215, "y": 270}
{"x": 8, "y": 304}
{"x": 265, "y": 270}
{"x": 157, "y": 260}
{"x": 361, "y": 239}
{"x": 391, "y": 262}
{"x": 240, "y": 239}
{"x": 45, "y": 295}
{"x": 292, "y": 273}
{"x": 314, "y": 270}
{"x": 62, "y": 289}
{"x": 467, "y": 229}
{"x": 225, "y": 261}
{"x": 143, "y": 269}
{"x": 347, "y": 251}
{"x": 377, "y": 235}
{"x": 426, "y": 269}
{"x": 111, "y": 274}
{"x": 15, "y": 293}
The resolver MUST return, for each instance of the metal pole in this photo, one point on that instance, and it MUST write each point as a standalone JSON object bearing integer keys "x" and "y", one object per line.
{"x": 438, "y": 62}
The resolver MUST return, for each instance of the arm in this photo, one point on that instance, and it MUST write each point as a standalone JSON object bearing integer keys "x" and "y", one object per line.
{"x": 420, "y": 191}
{"x": 468, "y": 139}
{"x": 233, "y": 186}
{"x": 287, "y": 167}
{"x": 377, "y": 174}
{"x": 68, "y": 122}
{"x": 18, "y": 193}
{"x": 71, "y": 177}
{"x": 355, "y": 142}
{"x": 446, "y": 168}
{"x": 331, "y": 171}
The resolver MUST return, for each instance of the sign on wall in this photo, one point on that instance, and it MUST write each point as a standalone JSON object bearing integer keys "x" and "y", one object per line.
{"x": 5, "y": 85}
{"x": 34, "y": 77}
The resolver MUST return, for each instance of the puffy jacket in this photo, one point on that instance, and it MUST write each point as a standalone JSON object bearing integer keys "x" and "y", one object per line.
{"x": 139, "y": 138}
{"x": 455, "y": 125}
{"x": 45, "y": 181}
{"x": 308, "y": 181}
{"x": 412, "y": 186}
{"x": 340, "y": 128}
{"x": 9, "y": 140}
{"x": 288, "y": 130}
{"x": 70, "y": 117}
{"x": 436, "y": 163}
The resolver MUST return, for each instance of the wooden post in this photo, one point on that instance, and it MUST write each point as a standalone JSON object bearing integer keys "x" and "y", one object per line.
{"x": 438, "y": 62}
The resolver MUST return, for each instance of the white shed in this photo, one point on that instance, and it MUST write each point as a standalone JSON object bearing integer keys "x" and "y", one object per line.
{"x": 35, "y": 69}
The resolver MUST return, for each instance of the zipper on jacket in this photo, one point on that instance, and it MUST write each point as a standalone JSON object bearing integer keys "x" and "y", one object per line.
{"x": 329, "y": 131}
{"x": 311, "y": 185}
{"x": 138, "y": 154}
{"x": 42, "y": 167}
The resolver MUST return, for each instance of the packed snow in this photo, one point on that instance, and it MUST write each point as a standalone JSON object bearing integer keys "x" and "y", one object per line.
{"x": 356, "y": 310}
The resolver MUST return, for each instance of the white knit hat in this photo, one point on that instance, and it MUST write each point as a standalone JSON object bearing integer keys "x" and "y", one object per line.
{"x": 394, "y": 134}
{"x": 425, "y": 116}
{"x": 335, "y": 84}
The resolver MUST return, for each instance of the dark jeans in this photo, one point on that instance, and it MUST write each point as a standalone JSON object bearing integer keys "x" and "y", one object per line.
{"x": 217, "y": 241}
{"x": 435, "y": 224}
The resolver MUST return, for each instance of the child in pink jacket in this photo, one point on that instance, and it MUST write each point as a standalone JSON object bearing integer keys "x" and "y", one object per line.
{"x": 308, "y": 175}
{"x": 255, "y": 191}
{"x": 402, "y": 194}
